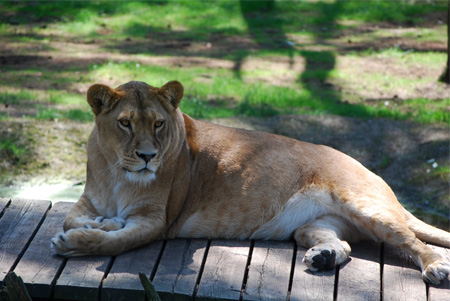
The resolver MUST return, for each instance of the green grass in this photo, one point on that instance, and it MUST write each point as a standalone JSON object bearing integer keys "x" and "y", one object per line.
{"x": 225, "y": 92}
{"x": 15, "y": 98}
{"x": 428, "y": 111}
{"x": 11, "y": 147}
{"x": 398, "y": 11}
{"x": 429, "y": 59}
{"x": 131, "y": 18}
{"x": 52, "y": 114}
{"x": 224, "y": 95}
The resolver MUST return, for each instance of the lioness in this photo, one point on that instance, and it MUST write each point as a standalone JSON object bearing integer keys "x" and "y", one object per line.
{"x": 156, "y": 173}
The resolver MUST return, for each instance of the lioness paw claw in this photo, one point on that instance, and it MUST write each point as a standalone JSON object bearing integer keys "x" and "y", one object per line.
{"x": 62, "y": 237}
{"x": 58, "y": 244}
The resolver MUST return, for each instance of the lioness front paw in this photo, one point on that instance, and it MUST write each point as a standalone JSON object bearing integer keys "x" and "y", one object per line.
{"x": 325, "y": 257}
{"x": 78, "y": 242}
{"x": 105, "y": 224}
{"x": 436, "y": 271}
{"x": 326, "y": 260}
{"x": 61, "y": 245}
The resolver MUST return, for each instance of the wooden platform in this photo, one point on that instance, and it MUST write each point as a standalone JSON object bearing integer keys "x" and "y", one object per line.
{"x": 197, "y": 269}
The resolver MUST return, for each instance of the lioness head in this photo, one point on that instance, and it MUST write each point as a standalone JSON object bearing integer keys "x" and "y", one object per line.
{"x": 137, "y": 126}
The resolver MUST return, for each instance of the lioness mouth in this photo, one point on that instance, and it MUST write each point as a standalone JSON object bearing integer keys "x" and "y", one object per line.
{"x": 139, "y": 171}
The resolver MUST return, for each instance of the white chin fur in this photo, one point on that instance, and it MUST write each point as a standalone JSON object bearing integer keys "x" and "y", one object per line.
{"x": 140, "y": 177}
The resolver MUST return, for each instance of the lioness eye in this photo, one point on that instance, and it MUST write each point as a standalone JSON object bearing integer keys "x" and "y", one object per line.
{"x": 124, "y": 122}
{"x": 159, "y": 123}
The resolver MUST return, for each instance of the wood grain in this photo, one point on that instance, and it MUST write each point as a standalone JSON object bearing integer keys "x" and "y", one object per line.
{"x": 224, "y": 270}
{"x": 122, "y": 282}
{"x": 17, "y": 226}
{"x": 359, "y": 279}
{"x": 39, "y": 265}
{"x": 402, "y": 279}
{"x": 179, "y": 268}
{"x": 81, "y": 278}
{"x": 3, "y": 203}
{"x": 269, "y": 271}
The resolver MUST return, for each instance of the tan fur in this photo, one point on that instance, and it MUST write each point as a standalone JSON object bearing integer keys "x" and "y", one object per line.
{"x": 156, "y": 173}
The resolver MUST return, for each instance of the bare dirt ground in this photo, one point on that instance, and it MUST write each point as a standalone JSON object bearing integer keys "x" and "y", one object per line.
{"x": 406, "y": 154}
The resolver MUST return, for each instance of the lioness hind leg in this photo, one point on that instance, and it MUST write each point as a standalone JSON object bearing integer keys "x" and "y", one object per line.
{"x": 325, "y": 237}
{"x": 390, "y": 226}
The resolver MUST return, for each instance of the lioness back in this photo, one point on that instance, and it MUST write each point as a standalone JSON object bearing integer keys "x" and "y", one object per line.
{"x": 248, "y": 184}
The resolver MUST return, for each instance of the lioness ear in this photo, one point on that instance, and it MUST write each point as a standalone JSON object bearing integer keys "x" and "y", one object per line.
{"x": 101, "y": 97}
{"x": 172, "y": 92}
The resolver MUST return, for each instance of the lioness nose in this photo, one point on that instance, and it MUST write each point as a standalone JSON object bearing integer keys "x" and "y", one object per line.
{"x": 145, "y": 156}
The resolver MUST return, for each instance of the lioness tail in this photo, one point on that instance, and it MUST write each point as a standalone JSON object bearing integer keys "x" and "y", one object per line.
{"x": 426, "y": 232}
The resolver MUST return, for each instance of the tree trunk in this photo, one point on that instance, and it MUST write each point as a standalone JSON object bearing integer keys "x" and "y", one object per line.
{"x": 445, "y": 77}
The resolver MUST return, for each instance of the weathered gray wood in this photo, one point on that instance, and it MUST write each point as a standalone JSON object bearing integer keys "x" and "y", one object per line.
{"x": 359, "y": 279}
{"x": 269, "y": 271}
{"x": 17, "y": 226}
{"x": 81, "y": 278}
{"x": 123, "y": 282}
{"x": 440, "y": 292}
{"x": 3, "y": 203}
{"x": 179, "y": 267}
{"x": 402, "y": 279}
{"x": 309, "y": 286}
{"x": 40, "y": 264}
{"x": 224, "y": 270}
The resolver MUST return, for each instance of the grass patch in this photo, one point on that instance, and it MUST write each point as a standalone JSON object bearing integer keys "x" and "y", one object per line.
{"x": 428, "y": 59}
{"x": 225, "y": 92}
{"x": 12, "y": 148}
{"x": 397, "y": 11}
{"x": 8, "y": 98}
{"x": 52, "y": 114}
{"x": 428, "y": 111}
{"x": 15, "y": 150}
{"x": 223, "y": 95}
{"x": 198, "y": 19}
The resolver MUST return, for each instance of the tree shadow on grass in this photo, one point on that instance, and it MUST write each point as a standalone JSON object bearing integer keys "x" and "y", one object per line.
{"x": 318, "y": 64}
{"x": 257, "y": 14}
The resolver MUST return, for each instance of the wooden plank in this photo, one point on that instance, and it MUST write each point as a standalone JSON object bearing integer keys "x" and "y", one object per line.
{"x": 311, "y": 286}
{"x": 179, "y": 267}
{"x": 269, "y": 271}
{"x": 82, "y": 277}
{"x": 402, "y": 279}
{"x": 3, "y": 203}
{"x": 440, "y": 292}
{"x": 224, "y": 270}
{"x": 359, "y": 279}
{"x": 17, "y": 226}
{"x": 122, "y": 282}
{"x": 40, "y": 264}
